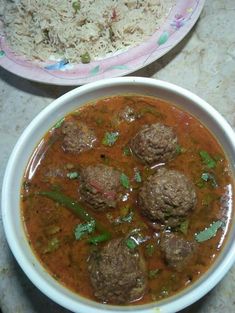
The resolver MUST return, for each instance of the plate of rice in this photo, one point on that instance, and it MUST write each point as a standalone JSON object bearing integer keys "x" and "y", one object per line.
{"x": 73, "y": 42}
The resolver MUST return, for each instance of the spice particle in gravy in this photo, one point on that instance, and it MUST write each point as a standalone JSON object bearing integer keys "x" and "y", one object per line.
{"x": 128, "y": 201}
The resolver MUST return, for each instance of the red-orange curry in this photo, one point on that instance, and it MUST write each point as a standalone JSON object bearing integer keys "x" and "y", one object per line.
{"x": 60, "y": 238}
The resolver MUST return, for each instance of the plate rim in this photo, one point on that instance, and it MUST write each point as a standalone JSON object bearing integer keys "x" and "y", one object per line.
{"x": 166, "y": 41}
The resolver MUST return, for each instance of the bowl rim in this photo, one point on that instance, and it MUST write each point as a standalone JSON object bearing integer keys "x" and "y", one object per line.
{"x": 186, "y": 299}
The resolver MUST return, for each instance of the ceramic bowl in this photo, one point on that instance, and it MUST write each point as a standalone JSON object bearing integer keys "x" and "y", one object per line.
{"x": 13, "y": 225}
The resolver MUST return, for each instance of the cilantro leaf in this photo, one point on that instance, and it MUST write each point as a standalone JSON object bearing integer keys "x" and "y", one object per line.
{"x": 207, "y": 159}
{"x": 128, "y": 218}
{"x": 76, "y": 5}
{"x": 179, "y": 149}
{"x": 208, "y": 177}
{"x": 209, "y": 232}
{"x": 137, "y": 176}
{"x": 153, "y": 273}
{"x": 184, "y": 227}
{"x": 124, "y": 180}
{"x": 149, "y": 249}
{"x": 124, "y": 219}
{"x": 84, "y": 229}
{"x": 127, "y": 151}
{"x": 85, "y": 58}
{"x": 72, "y": 175}
{"x": 110, "y": 138}
{"x": 53, "y": 244}
{"x": 131, "y": 243}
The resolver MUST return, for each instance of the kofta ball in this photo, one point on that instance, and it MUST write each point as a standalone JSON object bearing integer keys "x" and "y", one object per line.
{"x": 78, "y": 137}
{"x": 154, "y": 143}
{"x": 167, "y": 196}
{"x": 100, "y": 186}
{"x": 118, "y": 274}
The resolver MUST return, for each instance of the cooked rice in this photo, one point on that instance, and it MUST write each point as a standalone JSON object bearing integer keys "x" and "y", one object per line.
{"x": 45, "y": 29}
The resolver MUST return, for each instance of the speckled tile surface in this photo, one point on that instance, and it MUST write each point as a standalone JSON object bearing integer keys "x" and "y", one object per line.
{"x": 204, "y": 62}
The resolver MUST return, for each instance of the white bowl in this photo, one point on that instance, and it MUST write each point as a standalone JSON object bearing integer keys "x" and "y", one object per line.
{"x": 35, "y": 131}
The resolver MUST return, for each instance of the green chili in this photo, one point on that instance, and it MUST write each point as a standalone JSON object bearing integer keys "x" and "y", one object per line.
{"x": 76, "y": 6}
{"x": 78, "y": 210}
{"x": 99, "y": 238}
{"x": 85, "y": 58}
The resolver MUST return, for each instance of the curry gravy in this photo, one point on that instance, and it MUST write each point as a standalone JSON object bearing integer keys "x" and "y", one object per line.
{"x": 50, "y": 226}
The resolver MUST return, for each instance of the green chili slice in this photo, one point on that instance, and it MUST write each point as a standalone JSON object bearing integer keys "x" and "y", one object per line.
{"x": 78, "y": 210}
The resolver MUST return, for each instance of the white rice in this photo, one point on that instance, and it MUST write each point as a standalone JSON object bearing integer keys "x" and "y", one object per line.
{"x": 42, "y": 29}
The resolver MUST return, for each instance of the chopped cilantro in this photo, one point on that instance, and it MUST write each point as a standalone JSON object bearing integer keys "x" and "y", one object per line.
{"x": 53, "y": 244}
{"x": 127, "y": 151}
{"x": 179, "y": 149}
{"x": 131, "y": 243}
{"x": 124, "y": 219}
{"x": 184, "y": 227}
{"x": 124, "y": 180}
{"x": 209, "y": 232}
{"x": 128, "y": 218}
{"x": 76, "y": 5}
{"x": 85, "y": 58}
{"x": 72, "y": 175}
{"x": 153, "y": 273}
{"x": 149, "y": 249}
{"x": 84, "y": 229}
{"x": 110, "y": 138}
{"x": 207, "y": 159}
{"x": 137, "y": 176}
{"x": 208, "y": 177}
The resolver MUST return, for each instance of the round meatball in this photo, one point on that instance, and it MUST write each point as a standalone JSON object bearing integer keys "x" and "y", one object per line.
{"x": 78, "y": 137}
{"x": 117, "y": 273}
{"x": 177, "y": 251}
{"x": 167, "y": 196}
{"x": 154, "y": 143}
{"x": 100, "y": 185}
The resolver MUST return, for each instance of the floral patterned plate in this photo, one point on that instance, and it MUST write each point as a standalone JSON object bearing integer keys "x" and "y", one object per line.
{"x": 180, "y": 20}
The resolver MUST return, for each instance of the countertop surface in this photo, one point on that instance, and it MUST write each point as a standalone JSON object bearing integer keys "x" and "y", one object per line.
{"x": 204, "y": 63}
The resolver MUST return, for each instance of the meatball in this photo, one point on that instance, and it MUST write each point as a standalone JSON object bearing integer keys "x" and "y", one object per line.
{"x": 99, "y": 186}
{"x": 154, "y": 143}
{"x": 117, "y": 273}
{"x": 167, "y": 196}
{"x": 78, "y": 137}
{"x": 177, "y": 250}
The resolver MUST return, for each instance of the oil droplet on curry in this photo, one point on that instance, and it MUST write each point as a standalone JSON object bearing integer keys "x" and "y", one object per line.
{"x": 127, "y": 199}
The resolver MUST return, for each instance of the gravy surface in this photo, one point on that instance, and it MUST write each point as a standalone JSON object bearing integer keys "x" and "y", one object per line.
{"x": 50, "y": 226}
